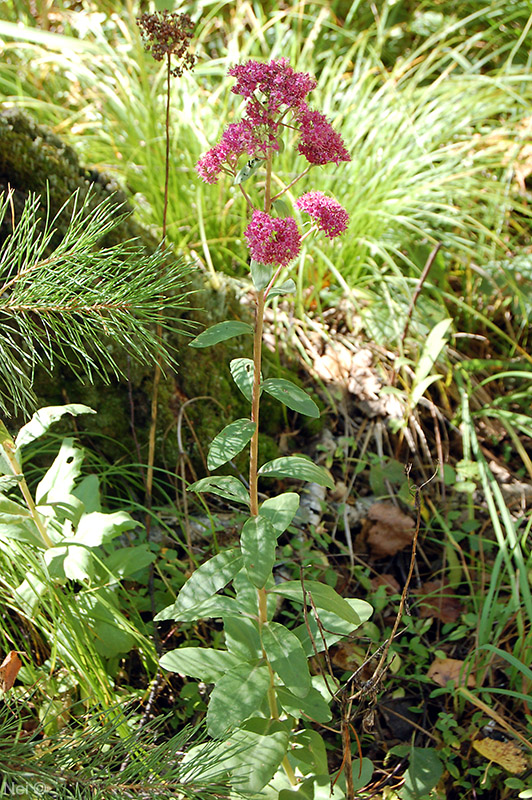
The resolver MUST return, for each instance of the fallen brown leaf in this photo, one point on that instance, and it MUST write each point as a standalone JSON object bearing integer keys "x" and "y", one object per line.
{"x": 508, "y": 754}
{"x": 386, "y": 530}
{"x": 438, "y": 601}
{"x": 392, "y": 586}
{"x": 9, "y": 670}
{"x": 443, "y": 670}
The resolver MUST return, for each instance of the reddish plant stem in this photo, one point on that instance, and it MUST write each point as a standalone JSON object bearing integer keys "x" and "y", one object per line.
{"x": 255, "y": 405}
{"x": 159, "y": 327}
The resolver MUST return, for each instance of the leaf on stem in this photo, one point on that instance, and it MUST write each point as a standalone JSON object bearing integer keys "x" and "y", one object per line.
{"x": 287, "y": 657}
{"x": 258, "y": 541}
{"x": 312, "y": 705}
{"x": 288, "y": 287}
{"x": 203, "y": 584}
{"x": 44, "y": 418}
{"x": 281, "y": 510}
{"x": 261, "y": 274}
{"x": 220, "y": 333}
{"x": 243, "y": 370}
{"x": 251, "y": 755}
{"x": 323, "y": 595}
{"x": 248, "y": 170}
{"x": 297, "y": 467}
{"x": 230, "y": 442}
{"x": 292, "y": 396}
{"x": 236, "y": 696}
{"x": 334, "y": 628}
{"x": 217, "y": 606}
{"x": 224, "y": 486}
{"x": 203, "y": 663}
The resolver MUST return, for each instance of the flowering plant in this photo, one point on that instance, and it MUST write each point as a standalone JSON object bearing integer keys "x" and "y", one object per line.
{"x": 263, "y": 685}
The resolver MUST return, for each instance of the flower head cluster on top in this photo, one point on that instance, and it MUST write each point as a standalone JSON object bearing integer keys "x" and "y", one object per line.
{"x": 168, "y": 35}
{"x": 272, "y": 90}
{"x": 276, "y": 99}
{"x": 326, "y": 212}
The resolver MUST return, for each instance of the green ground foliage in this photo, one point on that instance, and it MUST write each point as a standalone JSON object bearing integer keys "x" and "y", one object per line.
{"x": 412, "y": 335}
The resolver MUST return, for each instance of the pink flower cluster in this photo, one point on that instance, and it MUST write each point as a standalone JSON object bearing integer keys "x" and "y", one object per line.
{"x": 272, "y": 90}
{"x": 281, "y": 85}
{"x": 237, "y": 138}
{"x": 272, "y": 240}
{"x": 320, "y": 143}
{"x": 326, "y": 212}
{"x": 280, "y": 89}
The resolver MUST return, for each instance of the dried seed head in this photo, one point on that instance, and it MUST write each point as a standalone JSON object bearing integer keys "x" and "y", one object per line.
{"x": 167, "y": 34}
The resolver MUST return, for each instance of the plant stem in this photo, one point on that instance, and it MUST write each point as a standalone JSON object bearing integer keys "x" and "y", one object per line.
{"x": 268, "y": 189}
{"x": 7, "y": 446}
{"x": 167, "y": 137}
{"x": 254, "y": 457}
{"x": 257, "y": 361}
{"x": 255, "y": 404}
{"x": 159, "y": 328}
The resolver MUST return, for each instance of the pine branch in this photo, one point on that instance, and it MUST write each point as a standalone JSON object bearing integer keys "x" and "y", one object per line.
{"x": 79, "y": 304}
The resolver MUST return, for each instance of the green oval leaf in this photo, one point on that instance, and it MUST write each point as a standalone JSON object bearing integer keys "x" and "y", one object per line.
{"x": 333, "y": 627}
{"x": 251, "y": 756}
{"x": 297, "y": 467}
{"x": 287, "y": 658}
{"x": 292, "y": 396}
{"x": 258, "y": 541}
{"x": 282, "y": 209}
{"x": 248, "y": 170}
{"x": 423, "y": 774}
{"x": 242, "y": 370}
{"x": 236, "y": 696}
{"x": 288, "y": 287}
{"x": 313, "y": 704}
{"x": 261, "y": 274}
{"x": 230, "y": 442}
{"x": 220, "y": 332}
{"x": 208, "y": 579}
{"x": 323, "y": 595}
{"x": 216, "y": 606}
{"x": 280, "y": 511}
{"x": 224, "y": 486}
{"x": 203, "y": 663}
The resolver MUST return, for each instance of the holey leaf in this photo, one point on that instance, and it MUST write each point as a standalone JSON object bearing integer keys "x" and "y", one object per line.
{"x": 248, "y": 170}
{"x": 258, "y": 541}
{"x": 43, "y": 418}
{"x": 297, "y": 467}
{"x": 287, "y": 657}
{"x": 230, "y": 442}
{"x": 292, "y": 396}
{"x": 236, "y": 696}
{"x": 225, "y": 486}
{"x": 220, "y": 332}
{"x": 242, "y": 370}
